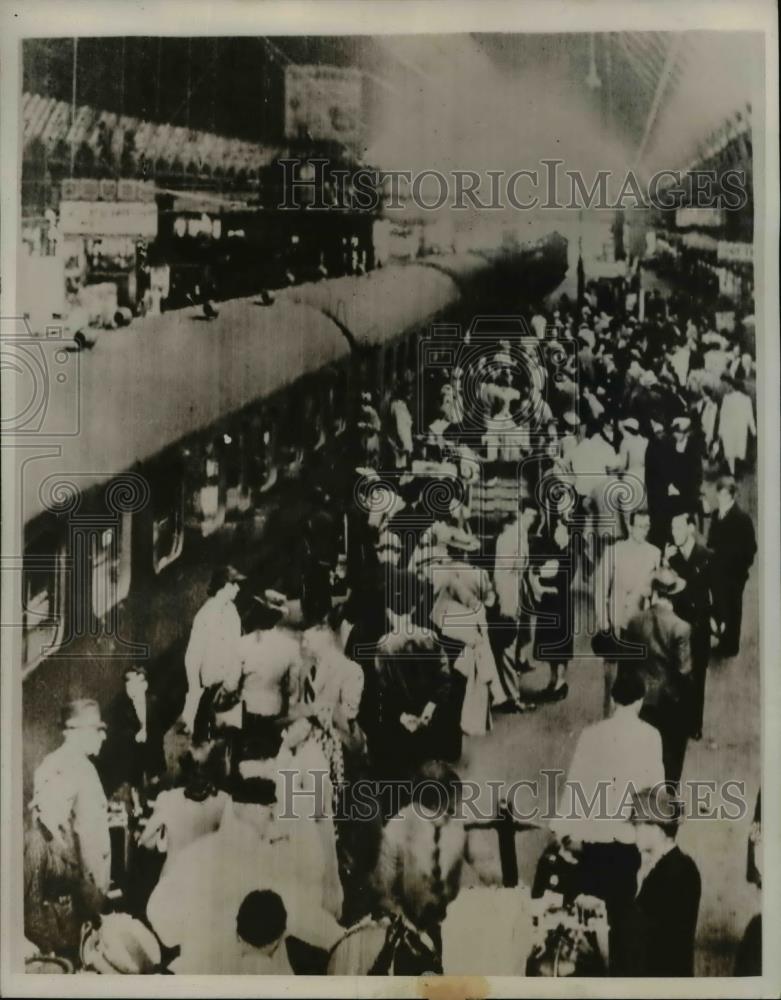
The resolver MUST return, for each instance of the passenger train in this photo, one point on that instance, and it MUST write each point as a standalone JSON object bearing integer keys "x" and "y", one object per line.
{"x": 188, "y": 447}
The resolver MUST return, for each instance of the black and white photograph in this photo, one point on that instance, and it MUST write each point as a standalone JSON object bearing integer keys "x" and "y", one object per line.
{"x": 390, "y": 498}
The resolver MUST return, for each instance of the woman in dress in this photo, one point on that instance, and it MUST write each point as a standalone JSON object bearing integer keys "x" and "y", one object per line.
{"x": 551, "y": 583}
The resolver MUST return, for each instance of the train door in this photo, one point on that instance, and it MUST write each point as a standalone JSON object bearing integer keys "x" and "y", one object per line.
{"x": 207, "y": 484}
{"x": 236, "y": 444}
{"x": 339, "y": 403}
{"x": 110, "y": 567}
{"x": 261, "y": 441}
{"x": 43, "y": 591}
{"x": 167, "y": 513}
{"x": 389, "y": 352}
{"x": 290, "y": 431}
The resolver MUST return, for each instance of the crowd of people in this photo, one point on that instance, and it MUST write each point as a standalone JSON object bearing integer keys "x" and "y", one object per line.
{"x": 615, "y": 432}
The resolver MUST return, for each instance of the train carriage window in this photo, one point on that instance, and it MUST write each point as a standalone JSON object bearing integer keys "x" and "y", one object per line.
{"x": 336, "y": 406}
{"x": 263, "y": 463}
{"x": 210, "y": 486}
{"x": 314, "y": 395}
{"x": 291, "y": 430}
{"x": 412, "y": 352}
{"x": 235, "y": 453}
{"x": 341, "y": 406}
{"x": 43, "y": 589}
{"x": 110, "y": 557}
{"x": 167, "y": 520}
{"x": 390, "y": 364}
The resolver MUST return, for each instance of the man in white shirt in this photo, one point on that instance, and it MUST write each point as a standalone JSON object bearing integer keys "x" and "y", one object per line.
{"x": 593, "y": 457}
{"x": 624, "y": 583}
{"x": 211, "y": 660}
{"x": 268, "y": 657}
{"x": 70, "y": 832}
{"x": 613, "y": 760}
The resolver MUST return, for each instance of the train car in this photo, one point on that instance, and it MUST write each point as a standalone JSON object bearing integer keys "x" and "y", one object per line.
{"x": 193, "y": 440}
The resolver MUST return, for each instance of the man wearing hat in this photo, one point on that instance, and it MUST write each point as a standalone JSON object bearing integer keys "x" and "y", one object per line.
{"x": 210, "y": 661}
{"x": 664, "y": 659}
{"x": 657, "y": 479}
{"x": 733, "y": 542}
{"x": 658, "y": 936}
{"x": 692, "y": 562}
{"x": 611, "y": 756}
{"x": 68, "y": 855}
{"x": 685, "y": 457}
{"x": 463, "y": 593}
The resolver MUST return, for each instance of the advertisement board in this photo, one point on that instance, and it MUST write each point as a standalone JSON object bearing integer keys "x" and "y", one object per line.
{"x": 740, "y": 253}
{"x": 708, "y": 217}
{"x": 107, "y": 189}
{"x": 108, "y": 218}
{"x": 323, "y": 103}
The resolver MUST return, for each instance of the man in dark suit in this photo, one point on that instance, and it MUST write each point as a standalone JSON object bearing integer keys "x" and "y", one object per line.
{"x": 133, "y": 755}
{"x": 665, "y": 664}
{"x": 657, "y": 479}
{"x": 733, "y": 544}
{"x": 685, "y": 470}
{"x": 658, "y": 938}
{"x": 692, "y": 562}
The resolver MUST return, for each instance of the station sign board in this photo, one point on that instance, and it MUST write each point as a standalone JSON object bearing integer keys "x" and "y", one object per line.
{"x": 737, "y": 253}
{"x": 708, "y": 218}
{"x": 107, "y": 189}
{"x": 108, "y": 218}
{"x": 699, "y": 241}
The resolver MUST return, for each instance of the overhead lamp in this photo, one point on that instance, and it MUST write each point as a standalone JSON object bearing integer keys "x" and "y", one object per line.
{"x": 593, "y": 80}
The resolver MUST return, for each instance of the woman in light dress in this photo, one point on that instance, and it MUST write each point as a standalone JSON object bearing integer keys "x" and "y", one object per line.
{"x": 736, "y": 422}
{"x": 182, "y": 815}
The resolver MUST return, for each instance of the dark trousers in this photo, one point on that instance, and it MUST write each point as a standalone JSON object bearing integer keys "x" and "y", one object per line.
{"x": 203, "y": 725}
{"x": 728, "y": 598}
{"x": 672, "y": 720}
{"x": 700, "y": 650}
{"x": 261, "y": 736}
{"x": 316, "y": 591}
{"x": 609, "y": 872}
